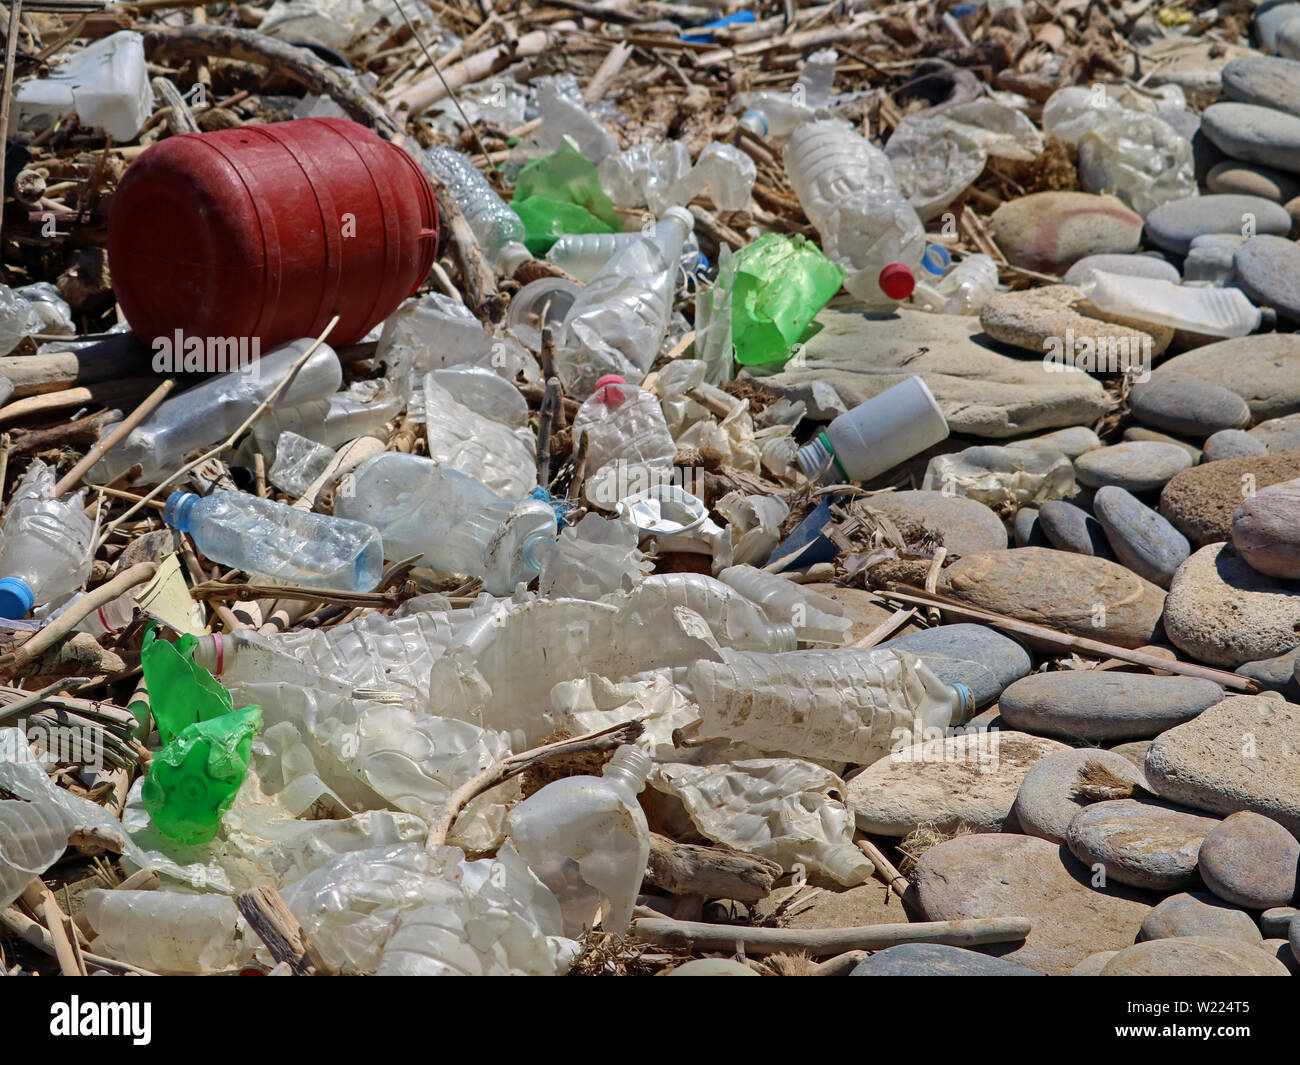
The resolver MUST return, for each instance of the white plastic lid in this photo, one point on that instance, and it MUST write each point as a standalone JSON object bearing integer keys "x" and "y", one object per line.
{"x": 664, "y": 510}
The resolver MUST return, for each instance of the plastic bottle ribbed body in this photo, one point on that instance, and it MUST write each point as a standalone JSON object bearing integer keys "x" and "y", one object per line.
{"x": 970, "y": 284}
{"x": 32, "y": 838}
{"x": 847, "y": 189}
{"x": 835, "y": 705}
{"x": 46, "y": 543}
{"x": 271, "y": 539}
{"x": 735, "y": 620}
{"x": 165, "y": 931}
{"x": 624, "y": 423}
{"x": 494, "y": 224}
{"x": 454, "y": 524}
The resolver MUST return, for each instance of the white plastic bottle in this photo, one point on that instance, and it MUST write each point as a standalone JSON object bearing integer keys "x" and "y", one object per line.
{"x": 498, "y": 230}
{"x": 165, "y": 931}
{"x": 33, "y": 836}
{"x": 587, "y": 840}
{"x": 452, "y": 522}
{"x": 877, "y": 435}
{"x": 210, "y": 411}
{"x": 833, "y": 705}
{"x": 44, "y": 545}
{"x": 816, "y": 618}
{"x": 331, "y": 420}
{"x": 583, "y": 254}
{"x": 623, "y": 423}
{"x": 617, "y": 324}
{"x": 1217, "y": 312}
{"x": 269, "y": 539}
{"x": 848, "y": 191}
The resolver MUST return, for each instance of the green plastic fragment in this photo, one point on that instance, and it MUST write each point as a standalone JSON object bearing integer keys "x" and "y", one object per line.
{"x": 560, "y": 193}
{"x": 193, "y": 781}
{"x": 781, "y": 285}
{"x": 545, "y": 221}
{"x": 180, "y": 692}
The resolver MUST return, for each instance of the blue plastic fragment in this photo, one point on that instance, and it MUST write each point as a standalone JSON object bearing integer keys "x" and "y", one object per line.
{"x": 700, "y": 34}
{"x": 806, "y": 545}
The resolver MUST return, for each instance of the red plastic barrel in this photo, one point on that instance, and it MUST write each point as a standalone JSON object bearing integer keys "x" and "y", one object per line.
{"x": 268, "y": 231}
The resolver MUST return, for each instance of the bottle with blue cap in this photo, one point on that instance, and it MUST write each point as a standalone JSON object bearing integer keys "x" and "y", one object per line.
{"x": 269, "y": 539}
{"x": 44, "y": 545}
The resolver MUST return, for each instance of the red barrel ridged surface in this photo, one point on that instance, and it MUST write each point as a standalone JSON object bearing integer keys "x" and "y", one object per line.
{"x": 268, "y": 231}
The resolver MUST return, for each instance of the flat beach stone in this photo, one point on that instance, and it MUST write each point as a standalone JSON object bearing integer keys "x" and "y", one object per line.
{"x": 1267, "y": 270}
{"x": 967, "y": 526}
{"x": 1198, "y": 913}
{"x": 1233, "y": 444}
{"x": 1141, "y": 538}
{"x": 1254, "y": 134}
{"x": 1140, "y": 843}
{"x": 1250, "y": 860}
{"x": 1070, "y": 528}
{"x": 1138, "y": 465}
{"x": 1194, "y": 956}
{"x": 1173, "y": 225}
{"x": 1050, "y": 231}
{"x": 1201, "y": 501}
{"x": 1124, "y": 265}
{"x": 1186, "y": 405}
{"x": 1263, "y": 369}
{"x": 936, "y": 959}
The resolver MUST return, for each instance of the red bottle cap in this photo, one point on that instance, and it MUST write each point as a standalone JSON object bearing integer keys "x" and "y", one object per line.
{"x": 896, "y": 281}
{"x": 610, "y": 399}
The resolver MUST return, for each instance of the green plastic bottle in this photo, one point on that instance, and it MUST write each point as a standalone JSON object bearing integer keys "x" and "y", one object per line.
{"x": 781, "y": 284}
{"x": 193, "y": 780}
{"x": 180, "y": 692}
{"x": 560, "y": 193}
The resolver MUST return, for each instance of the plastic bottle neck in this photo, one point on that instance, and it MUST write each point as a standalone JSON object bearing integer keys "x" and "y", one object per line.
{"x": 179, "y": 510}
{"x": 813, "y": 458}
{"x": 512, "y": 257}
{"x": 528, "y": 552}
{"x": 631, "y": 766}
{"x": 755, "y": 122}
{"x": 963, "y": 705}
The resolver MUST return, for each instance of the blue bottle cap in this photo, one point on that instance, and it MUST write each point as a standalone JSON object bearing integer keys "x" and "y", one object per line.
{"x": 936, "y": 259}
{"x": 176, "y": 511}
{"x": 16, "y": 598}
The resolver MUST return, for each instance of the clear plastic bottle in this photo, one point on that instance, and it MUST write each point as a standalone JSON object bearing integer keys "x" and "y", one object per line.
{"x": 501, "y": 457}
{"x": 298, "y": 462}
{"x": 44, "y": 545}
{"x": 618, "y": 323}
{"x": 623, "y": 423}
{"x": 452, "y": 522}
{"x": 485, "y": 392}
{"x": 210, "y": 411}
{"x": 877, "y": 435}
{"x": 970, "y": 284}
{"x": 165, "y": 931}
{"x": 847, "y": 189}
{"x": 18, "y": 319}
{"x": 498, "y": 230}
{"x": 1218, "y": 312}
{"x": 583, "y": 254}
{"x": 587, "y": 840}
{"x": 332, "y": 420}
{"x": 776, "y": 115}
{"x": 113, "y": 616}
{"x": 275, "y": 540}
{"x": 831, "y": 705}
{"x": 33, "y": 836}
{"x": 816, "y": 618}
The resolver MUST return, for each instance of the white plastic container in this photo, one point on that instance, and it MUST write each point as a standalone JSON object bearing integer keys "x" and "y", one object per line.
{"x": 498, "y": 230}
{"x": 269, "y": 539}
{"x": 587, "y": 840}
{"x": 623, "y": 423}
{"x": 831, "y": 705}
{"x": 877, "y": 435}
{"x": 1216, "y": 312}
{"x": 847, "y": 189}
{"x": 969, "y": 285}
{"x": 618, "y": 322}
{"x": 210, "y": 411}
{"x": 33, "y": 836}
{"x": 165, "y": 931}
{"x": 44, "y": 545}
{"x": 107, "y": 84}
{"x": 452, "y": 522}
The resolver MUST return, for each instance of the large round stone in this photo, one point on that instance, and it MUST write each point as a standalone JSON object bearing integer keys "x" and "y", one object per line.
{"x": 1049, "y": 231}
{"x": 1200, "y": 502}
{"x": 1266, "y": 530}
{"x": 936, "y": 959}
{"x": 1140, "y": 843}
{"x": 1186, "y": 405}
{"x": 1047, "y": 803}
{"x": 1267, "y": 269}
{"x": 1194, "y": 956}
{"x": 1254, "y": 135}
{"x": 1104, "y": 706}
{"x": 1142, "y": 540}
{"x": 1224, "y": 613}
{"x": 975, "y": 876}
{"x": 1173, "y": 225}
{"x": 1137, "y": 466}
{"x": 1199, "y": 913}
{"x": 1244, "y": 179}
{"x": 1263, "y": 369}
{"x": 1073, "y": 593}
{"x": 1250, "y": 860}
{"x": 967, "y": 526}
{"x": 1264, "y": 80}
{"x": 1070, "y": 528}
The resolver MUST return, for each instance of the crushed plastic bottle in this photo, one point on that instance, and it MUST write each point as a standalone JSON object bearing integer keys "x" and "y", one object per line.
{"x": 816, "y": 618}
{"x": 485, "y": 393}
{"x": 848, "y": 191}
{"x": 624, "y": 424}
{"x": 1209, "y": 260}
{"x": 165, "y": 931}
{"x": 33, "y": 836}
{"x": 776, "y": 115}
{"x": 591, "y": 559}
{"x": 777, "y": 808}
{"x": 298, "y": 462}
{"x": 582, "y": 255}
{"x": 565, "y": 117}
{"x": 558, "y": 194}
{"x": 498, "y": 230}
{"x": 362, "y": 409}
{"x": 661, "y": 175}
{"x": 781, "y": 284}
{"x": 618, "y": 323}
{"x": 107, "y": 84}
{"x": 452, "y": 522}
{"x": 270, "y": 539}
{"x": 877, "y": 435}
{"x": 1217, "y": 312}
{"x": 18, "y": 319}
{"x": 44, "y": 544}
{"x": 212, "y": 410}
{"x": 500, "y": 457}
{"x": 835, "y": 705}
{"x": 962, "y": 290}
{"x": 587, "y": 840}
{"x": 1003, "y": 478}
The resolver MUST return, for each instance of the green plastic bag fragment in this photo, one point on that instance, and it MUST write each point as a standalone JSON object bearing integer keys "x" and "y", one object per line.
{"x": 568, "y": 198}
{"x": 781, "y": 285}
{"x": 180, "y": 692}
{"x": 193, "y": 781}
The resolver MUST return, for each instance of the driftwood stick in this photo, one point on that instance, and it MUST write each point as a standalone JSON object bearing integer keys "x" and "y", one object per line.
{"x": 711, "y": 872}
{"x": 895, "y": 621}
{"x": 841, "y": 964}
{"x": 820, "y": 942}
{"x": 604, "y": 740}
{"x": 545, "y": 423}
{"x": 267, "y": 913}
{"x": 1078, "y": 643}
{"x": 884, "y": 868}
{"x": 108, "y": 360}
